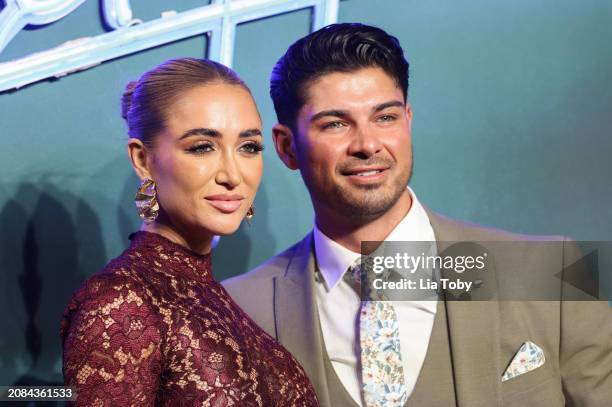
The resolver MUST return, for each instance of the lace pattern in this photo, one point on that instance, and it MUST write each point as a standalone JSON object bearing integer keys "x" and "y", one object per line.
{"x": 154, "y": 328}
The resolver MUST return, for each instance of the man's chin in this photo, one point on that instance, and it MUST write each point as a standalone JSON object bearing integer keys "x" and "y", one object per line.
{"x": 367, "y": 201}
{"x": 359, "y": 188}
{"x": 367, "y": 208}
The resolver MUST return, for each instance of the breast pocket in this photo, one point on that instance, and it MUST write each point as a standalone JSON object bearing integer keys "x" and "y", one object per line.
{"x": 540, "y": 387}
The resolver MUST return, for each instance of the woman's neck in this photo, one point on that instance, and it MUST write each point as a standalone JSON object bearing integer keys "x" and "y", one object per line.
{"x": 200, "y": 243}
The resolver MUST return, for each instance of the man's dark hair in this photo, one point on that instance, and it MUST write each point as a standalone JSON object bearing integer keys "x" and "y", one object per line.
{"x": 343, "y": 47}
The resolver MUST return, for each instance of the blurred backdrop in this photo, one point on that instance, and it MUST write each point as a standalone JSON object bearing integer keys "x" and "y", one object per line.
{"x": 512, "y": 128}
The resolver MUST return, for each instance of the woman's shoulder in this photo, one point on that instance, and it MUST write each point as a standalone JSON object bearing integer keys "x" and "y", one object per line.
{"x": 112, "y": 339}
{"x": 114, "y": 287}
{"x": 113, "y": 280}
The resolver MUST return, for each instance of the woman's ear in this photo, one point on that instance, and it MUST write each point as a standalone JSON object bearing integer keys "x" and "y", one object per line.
{"x": 140, "y": 158}
{"x": 284, "y": 142}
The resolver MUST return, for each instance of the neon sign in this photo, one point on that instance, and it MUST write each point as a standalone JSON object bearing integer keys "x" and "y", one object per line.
{"x": 218, "y": 20}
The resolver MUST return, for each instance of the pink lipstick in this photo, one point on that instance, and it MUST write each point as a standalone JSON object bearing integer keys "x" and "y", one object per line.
{"x": 226, "y": 203}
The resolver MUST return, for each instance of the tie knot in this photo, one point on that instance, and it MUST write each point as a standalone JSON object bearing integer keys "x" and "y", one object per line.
{"x": 360, "y": 275}
{"x": 354, "y": 272}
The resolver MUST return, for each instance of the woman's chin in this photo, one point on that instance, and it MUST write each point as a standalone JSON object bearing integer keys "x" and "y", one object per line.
{"x": 224, "y": 229}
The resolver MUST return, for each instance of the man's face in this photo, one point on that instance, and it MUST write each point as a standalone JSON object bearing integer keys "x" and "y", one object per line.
{"x": 353, "y": 145}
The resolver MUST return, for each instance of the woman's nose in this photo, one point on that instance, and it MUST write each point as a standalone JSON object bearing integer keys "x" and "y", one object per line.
{"x": 228, "y": 173}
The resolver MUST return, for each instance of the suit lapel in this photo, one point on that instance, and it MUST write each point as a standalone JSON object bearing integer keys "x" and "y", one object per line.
{"x": 296, "y": 316}
{"x": 473, "y": 332}
{"x": 473, "y": 326}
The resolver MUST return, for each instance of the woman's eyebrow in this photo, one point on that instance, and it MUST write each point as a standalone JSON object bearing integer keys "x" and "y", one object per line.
{"x": 200, "y": 132}
{"x": 216, "y": 134}
{"x": 250, "y": 133}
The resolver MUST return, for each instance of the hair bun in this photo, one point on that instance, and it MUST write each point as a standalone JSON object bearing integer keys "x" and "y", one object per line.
{"x": 126, "y": 99}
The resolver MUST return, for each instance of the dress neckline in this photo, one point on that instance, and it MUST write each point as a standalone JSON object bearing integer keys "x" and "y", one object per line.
{"x": 173, "y": 255}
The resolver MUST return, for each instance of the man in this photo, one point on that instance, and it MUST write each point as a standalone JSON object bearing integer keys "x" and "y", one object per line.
{"x": 340, "y": 95}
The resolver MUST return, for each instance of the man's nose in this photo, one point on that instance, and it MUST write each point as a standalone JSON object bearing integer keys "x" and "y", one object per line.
{"x": 365, "y": 142}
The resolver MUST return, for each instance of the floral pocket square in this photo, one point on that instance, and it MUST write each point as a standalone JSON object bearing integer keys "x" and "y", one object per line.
{"x": 529, "y": 357}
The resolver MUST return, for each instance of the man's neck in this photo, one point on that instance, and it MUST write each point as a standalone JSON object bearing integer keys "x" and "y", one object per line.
{"x": 349, "y": 232}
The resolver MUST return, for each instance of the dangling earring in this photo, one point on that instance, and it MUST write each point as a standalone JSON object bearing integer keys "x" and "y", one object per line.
{"x": 146, "y": 200}
{"x": 249, "y": 215}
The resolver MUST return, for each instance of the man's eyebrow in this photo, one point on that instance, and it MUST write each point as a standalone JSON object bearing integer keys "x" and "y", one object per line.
{"x": 332, "y": 112}
{"x": 201, "y": 131}
{"x": 344, "y": 113}
{"x": 249, "y": 133}
{"x": 386, "y": 105}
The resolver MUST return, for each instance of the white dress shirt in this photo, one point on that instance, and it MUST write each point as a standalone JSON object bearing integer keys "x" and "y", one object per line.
{"x": 339, "y": 304}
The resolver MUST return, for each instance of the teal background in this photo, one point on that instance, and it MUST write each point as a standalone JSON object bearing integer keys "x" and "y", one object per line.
{"x": 512, "y": 128}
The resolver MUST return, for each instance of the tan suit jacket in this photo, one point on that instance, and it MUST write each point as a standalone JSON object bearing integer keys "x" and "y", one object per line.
{"x": 484, "y": 336}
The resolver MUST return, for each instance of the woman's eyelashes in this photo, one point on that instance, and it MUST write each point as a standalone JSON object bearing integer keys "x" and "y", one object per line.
{"x": 201, "y": 148}
{"x": 251, "y": 148}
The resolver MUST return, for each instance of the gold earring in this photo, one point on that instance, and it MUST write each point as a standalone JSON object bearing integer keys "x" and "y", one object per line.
{"x": 249, "y": 215}
{"x": 146, "y": 200}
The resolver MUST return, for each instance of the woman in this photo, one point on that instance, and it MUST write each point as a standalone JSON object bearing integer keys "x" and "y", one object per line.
{"x": 153, "y": 327}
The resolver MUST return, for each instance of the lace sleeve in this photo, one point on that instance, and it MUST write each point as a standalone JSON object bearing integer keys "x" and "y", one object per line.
{"x": 112, "y": 345}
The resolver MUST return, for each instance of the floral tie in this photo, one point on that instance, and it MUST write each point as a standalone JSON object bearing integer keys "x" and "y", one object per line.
{"x": 381, "y": 360}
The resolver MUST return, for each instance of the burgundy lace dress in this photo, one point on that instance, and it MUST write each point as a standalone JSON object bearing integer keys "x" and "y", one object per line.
{"x": 154, "y": 328}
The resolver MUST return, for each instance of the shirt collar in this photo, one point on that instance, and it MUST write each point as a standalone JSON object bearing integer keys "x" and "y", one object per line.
{"x": 334, "y": 260}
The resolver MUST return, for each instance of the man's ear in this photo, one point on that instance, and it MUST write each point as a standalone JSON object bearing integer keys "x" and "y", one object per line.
{"x": 409, "y": 113}
{"x": 140, "y": 158}
{"x": 284, "y": 142}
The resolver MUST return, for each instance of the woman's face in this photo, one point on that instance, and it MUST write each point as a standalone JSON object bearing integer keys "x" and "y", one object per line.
{"x": 207, "y": 162}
